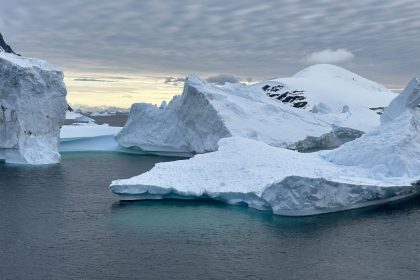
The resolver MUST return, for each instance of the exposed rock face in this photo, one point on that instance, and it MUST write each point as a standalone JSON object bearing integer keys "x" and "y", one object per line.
{"x": 5, "y": 47}
{"x": 331, "y": 140}
{"x": 295, "y": 98}
{"x": 32, "y": 110}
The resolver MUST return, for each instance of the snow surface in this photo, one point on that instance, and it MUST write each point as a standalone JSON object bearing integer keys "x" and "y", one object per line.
{"x": 381, "y": 166}
{"x": 33, "y": 105}
{"x": 205, "y": 113}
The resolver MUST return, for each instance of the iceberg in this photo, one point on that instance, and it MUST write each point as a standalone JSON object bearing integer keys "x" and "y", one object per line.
{"x": 89, "y": 137}
{"x": 32, "y": 110}
{"x": 381, "y": 166}
{"x": 323, "y": 104}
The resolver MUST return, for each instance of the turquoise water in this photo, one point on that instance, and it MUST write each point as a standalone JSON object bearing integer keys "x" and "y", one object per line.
{"x": 61, "y": 222}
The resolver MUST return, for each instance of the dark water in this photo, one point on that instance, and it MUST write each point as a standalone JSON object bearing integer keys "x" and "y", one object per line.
{"x": 61, "y": 222}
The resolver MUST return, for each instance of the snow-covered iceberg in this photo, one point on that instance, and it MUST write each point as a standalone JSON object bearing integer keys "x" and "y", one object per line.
{"x": 32, "y": 110}
{"x": 381, "y": 166}
{"x": 313, "y": 103}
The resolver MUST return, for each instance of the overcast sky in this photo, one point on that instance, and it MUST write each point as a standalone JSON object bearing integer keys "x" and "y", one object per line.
{"x": 378, "y": 39}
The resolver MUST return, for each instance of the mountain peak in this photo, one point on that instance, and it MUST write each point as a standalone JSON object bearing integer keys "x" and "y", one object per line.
{"x": 5, "y": 47}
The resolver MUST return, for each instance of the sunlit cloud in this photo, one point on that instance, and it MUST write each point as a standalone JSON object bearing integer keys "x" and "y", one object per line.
{"x": 330, "y": 56}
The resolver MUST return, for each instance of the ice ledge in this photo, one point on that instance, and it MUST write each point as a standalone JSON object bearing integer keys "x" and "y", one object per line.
{"x": 293, "y": 196}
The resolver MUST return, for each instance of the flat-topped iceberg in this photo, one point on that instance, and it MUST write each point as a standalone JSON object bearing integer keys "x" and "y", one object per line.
{"x": 378, "y": 167}
{"x": 32, "y": 110}
{"x": 316, "y": 101}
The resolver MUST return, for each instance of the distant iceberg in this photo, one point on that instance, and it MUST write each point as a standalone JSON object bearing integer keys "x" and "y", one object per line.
{"x": 381, "y": 166}
{"x": 320, "y": 107}
{"x": 89, "y": 137}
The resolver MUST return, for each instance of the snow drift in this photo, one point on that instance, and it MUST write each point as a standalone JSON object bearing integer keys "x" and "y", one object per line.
{"x": 380, "y": 166}
{"x": 32, "y": 110}
{"x": 280, "y": 112}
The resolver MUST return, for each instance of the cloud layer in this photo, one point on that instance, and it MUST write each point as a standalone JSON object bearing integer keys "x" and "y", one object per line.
{"x": 247, "y": 38}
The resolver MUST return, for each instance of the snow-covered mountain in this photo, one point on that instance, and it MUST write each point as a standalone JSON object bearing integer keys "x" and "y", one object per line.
{"x": 381, "y": 166}
{"x": 321, "y": 105}
{"x": 326, "y": 88}
{"x": 5, "y": 47}
{"x": 32, "y": 110}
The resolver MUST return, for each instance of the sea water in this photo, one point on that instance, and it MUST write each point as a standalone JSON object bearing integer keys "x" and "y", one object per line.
{"x": 62, "y": 222}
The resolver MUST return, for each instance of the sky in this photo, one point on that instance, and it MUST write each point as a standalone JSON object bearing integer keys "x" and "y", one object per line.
{"x": 116, "y": 53}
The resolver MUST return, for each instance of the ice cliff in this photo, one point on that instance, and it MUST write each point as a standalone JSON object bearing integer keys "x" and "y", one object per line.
{"x": 319, "y": 104}
{"x": 32, "y": 109}
{"x": 381, "y": 166}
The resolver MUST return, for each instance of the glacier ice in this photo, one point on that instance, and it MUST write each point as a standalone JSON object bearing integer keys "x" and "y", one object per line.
{"x": 278, "y": 112}
{"x": 381, "y": 166}
{"x": 392, "y": 149}
{"x": 32, "y": 110}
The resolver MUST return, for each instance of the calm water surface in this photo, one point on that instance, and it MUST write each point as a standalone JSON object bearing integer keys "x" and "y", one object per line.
{"x": 61, "y": 222}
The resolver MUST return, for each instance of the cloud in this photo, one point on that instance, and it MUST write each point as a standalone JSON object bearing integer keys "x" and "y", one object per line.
{"x": 117, "y": 78}
{"x": 92, "y": 80}
{"x": 330, "y": 56}
{"x": 173, "y": 81}
{"x": 222, "y": 79}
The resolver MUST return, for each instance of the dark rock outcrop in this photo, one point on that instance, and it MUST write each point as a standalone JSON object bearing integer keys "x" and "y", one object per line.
{"x": 5, "y": 47}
